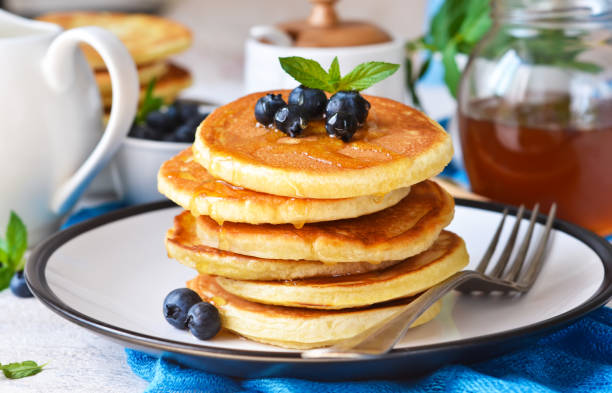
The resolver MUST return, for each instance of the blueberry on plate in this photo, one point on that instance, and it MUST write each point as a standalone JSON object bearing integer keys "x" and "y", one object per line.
{"x": 18, "y": 285}
{"x": 341, "y": 125}
{"x": 203, "y": 321}
{"x": 177, "y": 304}
{"x": 309, "y": 102}
{"x": 351, "y": 102}
{"x": 267, "y": 106}
{"x": 290, "y": 121}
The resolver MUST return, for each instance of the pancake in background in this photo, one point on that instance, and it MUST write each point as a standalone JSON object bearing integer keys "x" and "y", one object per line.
{"x": 407, "y": 278}
{"x": 297, "y": 328}
{"x": 396, "y": 233}
{"x": 167, "y": 87}
{"x": 146, "y": 73}
{"x": 189, "y": 185}
{"x": 148, "y": 38}
{"x": 397, "y": 147}
{"x": 182, "y": 245}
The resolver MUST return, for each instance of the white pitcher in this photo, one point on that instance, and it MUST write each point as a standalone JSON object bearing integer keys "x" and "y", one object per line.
{"x": 51, "y": 140}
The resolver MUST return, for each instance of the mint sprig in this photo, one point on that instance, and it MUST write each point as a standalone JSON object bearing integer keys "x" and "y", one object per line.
{"x": 12, "y": 249}
{"x": 150, "y": 103}
{"x": 310, "y": 74}
{"x": 21, "y": 370}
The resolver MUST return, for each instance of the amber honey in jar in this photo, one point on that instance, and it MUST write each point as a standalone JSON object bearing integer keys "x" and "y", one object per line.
{"x": 535, "y": 109}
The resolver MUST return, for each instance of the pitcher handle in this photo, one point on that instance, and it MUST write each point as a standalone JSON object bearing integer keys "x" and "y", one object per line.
{"x": 58, "y": 69}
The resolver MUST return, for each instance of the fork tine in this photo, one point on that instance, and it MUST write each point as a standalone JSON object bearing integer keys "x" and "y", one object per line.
{"x": 537, "y": 260}
{"x": 517, "y": 263}
{"x": 484, "y": 262}
{"x": 500, "y": 265}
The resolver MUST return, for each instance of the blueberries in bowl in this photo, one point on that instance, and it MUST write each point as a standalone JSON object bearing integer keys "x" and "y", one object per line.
{"x": 309, "y": 102}
{"x": 175, "y": 123}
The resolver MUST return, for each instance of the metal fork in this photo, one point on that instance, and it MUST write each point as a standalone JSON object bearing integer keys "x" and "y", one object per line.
{"x": 517, "y": 278}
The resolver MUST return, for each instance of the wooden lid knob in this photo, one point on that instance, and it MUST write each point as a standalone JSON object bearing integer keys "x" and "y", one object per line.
{"x": 323, "y": 13}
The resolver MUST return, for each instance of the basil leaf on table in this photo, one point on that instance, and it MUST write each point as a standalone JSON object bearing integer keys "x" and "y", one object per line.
{"x": 21, "y": 370}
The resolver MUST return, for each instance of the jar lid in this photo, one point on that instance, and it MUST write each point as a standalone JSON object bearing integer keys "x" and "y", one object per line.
{"x": 323, "y": 28}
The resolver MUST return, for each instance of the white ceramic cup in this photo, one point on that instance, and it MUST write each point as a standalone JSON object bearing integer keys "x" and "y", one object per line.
{"x": 52, "y": 143}
{"x": 263, "y": 70}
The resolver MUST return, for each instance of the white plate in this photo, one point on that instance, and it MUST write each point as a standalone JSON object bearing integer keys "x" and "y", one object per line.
{"x": 111, "y": 275}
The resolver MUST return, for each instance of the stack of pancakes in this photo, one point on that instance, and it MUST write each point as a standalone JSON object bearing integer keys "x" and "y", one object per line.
{"x": 149, "y": 39}
{"x": 303, "y": 242}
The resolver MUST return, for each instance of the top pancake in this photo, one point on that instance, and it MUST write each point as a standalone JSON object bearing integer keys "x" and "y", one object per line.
{"x": 397, "y": 147}
{"x": 147, "y": 37}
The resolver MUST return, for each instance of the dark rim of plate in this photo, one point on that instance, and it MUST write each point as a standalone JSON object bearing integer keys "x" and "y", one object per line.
{"x": 37, "y": 281}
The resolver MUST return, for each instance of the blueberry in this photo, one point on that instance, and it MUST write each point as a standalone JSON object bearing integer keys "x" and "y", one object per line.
{"x": 267, "y": 106}
{"x": 177, "y": 304}
{"x": 184, "y": 133}
{"x": 342, "y": 125}
{"x": 289, "y": 121}
{"x": 351, "y": 102}
{"x": 186, "y": 110}
{"x": 143, "y": 131}
{"x": 164, "y": 121}
{"x": 19, "y": 286}
{"x": 309, "y": 102}
{"x": 203, "y": 320}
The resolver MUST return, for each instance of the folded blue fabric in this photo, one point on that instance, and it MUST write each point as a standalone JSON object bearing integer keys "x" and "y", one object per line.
{"x": 575, "y": 359}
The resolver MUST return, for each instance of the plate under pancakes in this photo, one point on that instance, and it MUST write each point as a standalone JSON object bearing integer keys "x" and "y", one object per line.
{"x": 414, "y": 275}
{"x": 167, "y": 87}
{"x": 397, "y": 147}
{"x": 183, "y": 245}
{"x": 396, "y": 233}
{"x": 292, "y": 327}
{"x": 189, "y": 185}
{"x": 146, "y": 73}
{"x": 147, "y": 37}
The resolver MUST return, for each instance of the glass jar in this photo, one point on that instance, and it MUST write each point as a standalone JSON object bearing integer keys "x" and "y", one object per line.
{"x": 535, "y": 109}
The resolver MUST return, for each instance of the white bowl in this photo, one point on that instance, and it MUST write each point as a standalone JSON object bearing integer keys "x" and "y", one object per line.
{"x": 137, "y": 162}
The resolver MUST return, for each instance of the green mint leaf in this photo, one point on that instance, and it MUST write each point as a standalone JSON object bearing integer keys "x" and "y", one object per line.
{"x": 16, "y": 240}
{"x": 149, "y": 104}
{"x": 477, "y": 21}
{"x": 334, "y": 73}
{"x": 3, "y": 252}
{"x": 367, "y": 74}
{"x": 21, "y": 370}
{"x": 452, "y": 74}
{"x": 308, "y": 72}
{"x": 6, "y": 273}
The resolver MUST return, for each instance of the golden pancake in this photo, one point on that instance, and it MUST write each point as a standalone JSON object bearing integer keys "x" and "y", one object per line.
{"x": 396, "y": 233}
{"x": 407, "y": 278}
{"x": 146, "y": 73}
{"x": 148, "y": 38}
{"x": 298, "y": 328}
{"x": 167, "y": 87}
{"x": 189, "y": 185}
{"x": 182, "y": 245}
{"x": 397, "y": 147}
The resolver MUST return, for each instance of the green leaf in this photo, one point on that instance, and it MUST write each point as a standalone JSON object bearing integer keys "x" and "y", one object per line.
{"x": 6, "y": 273}
{"x": 367, "y": 74}
{"x": 308, "y": 72}
{"x": 452, "y": 74}
{"x": 21, "y": 370}
{"x": 334, "y": 72}
{"x": 16, "y": 240}
{"x": 150, "y": 103}
{"x": 477, "y": 21}
{"x": 3, "y": 251}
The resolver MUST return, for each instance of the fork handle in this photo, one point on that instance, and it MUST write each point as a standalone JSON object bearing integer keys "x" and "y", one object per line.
{"x": 382, "y": 337}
